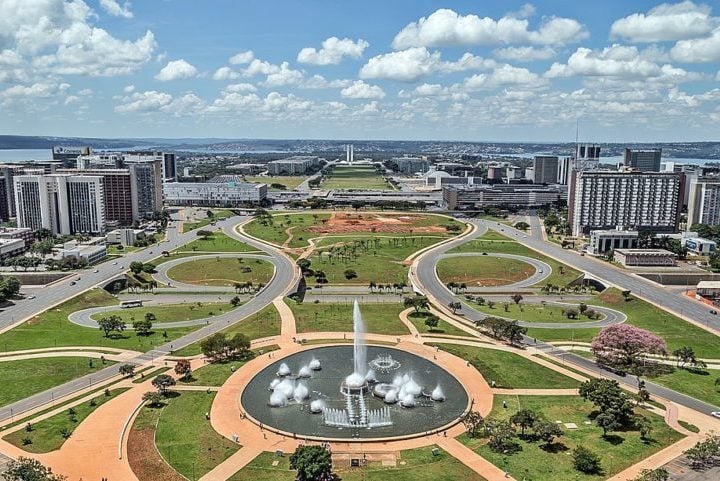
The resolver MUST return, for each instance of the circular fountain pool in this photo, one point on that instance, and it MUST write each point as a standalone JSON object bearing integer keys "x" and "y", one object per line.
{"x": 410, "y": 395}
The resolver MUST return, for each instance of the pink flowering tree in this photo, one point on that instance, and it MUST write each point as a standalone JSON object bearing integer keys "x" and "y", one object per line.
{"x": 624, "y": 344}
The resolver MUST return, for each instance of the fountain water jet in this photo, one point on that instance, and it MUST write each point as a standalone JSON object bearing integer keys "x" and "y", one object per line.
{"x": 356, "y": 383}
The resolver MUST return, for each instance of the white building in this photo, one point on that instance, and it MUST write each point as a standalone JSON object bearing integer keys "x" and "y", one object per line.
{"x": 297, "y": 165}
{"x": 704, "y": 201}
{"x": 124, "y": 237}
{"x": 637, "y": 200}
{"x": 62, "y": 203}
{"x": 700, "y": 246}
{"x": 645, "y": 257}
{"x": 90, "y": 253}
{"x": 146, "y": 176}
{"x": 604, "y": 241}
{"x": 11, "y": 247}
{"x": 213, "y": 194}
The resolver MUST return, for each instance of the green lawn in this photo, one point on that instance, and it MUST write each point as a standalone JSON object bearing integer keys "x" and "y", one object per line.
{"x": 530, "y": 312}
{"x": 495, "y": 242}
{"x": 509, "y": 370}
{"x": 170, "y": 312}
{"x": 379, "y": 259}
{"x": 117, "y": 249}
{"x": 52, "y": 329}
{"x": 289, "y": 181}
{"x": 619, "y": 451}
{"x": 277, "y": 230}
{"x": 418, "y": 320}
{"x": 185, "y": 438}
{"x": 219, "y": 214}
{"x": 26, "y": 377}
{"x": 264, "y": 323}
{"x": 216, "y": 373}
{"x": 354, "y": 177}
{"x": 415, "y": 465}
{"x": 698, "y": 385}
{"x": 222, "y": 271}
{"x": 46, "y": 435}
{"x": 218, "y": 242}
{"x": 380, "y": 318}
{"x": 483, "y": 270}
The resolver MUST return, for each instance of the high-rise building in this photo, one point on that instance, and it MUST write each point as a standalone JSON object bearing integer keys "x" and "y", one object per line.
{"x": 646, "y": 160}
{"x": 62, "y": 203}
{"x": 215, "y": 193}
{"x": 169, "y": 167}
{"x": 4, "y": 204}
{"x": 99, "y": 161}
{"x": 704, "y": 201}
{"x": 545, "y": 169}
{"x": 68, "y": 155}
{"x": 146, "y": 178}
{"x": 117, "y": 193}
{"x": 625, "y": 199}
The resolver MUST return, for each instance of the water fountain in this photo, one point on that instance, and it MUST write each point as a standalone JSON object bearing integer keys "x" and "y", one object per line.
{"x": 356, "y": 383}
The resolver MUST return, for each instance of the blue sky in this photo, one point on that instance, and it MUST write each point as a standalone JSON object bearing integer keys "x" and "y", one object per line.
{"x": 463, "y": 70}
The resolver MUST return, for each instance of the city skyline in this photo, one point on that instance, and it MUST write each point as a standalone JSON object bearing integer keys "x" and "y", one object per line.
{"x": 643, "y": 72}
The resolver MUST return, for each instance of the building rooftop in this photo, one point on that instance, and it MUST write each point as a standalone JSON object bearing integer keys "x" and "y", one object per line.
{"x": 645, "y": 252}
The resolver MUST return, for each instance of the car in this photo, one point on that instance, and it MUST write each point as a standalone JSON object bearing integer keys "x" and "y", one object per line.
{"x": 31, "y": 297}
{"x": 96, "y": 271}
{"x": 715, "y": 414}
{"x": 713, "y": 312}
{"x": 114, "y": 263}
{"x": 72, "y": 283}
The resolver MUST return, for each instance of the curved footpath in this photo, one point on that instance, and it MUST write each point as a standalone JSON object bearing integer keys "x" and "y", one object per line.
{"x": 286, "y": 276}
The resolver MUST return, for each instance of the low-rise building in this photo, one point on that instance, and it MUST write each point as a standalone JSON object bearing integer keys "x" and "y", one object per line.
{"x": 469, "y": 197}
{"x": 645, "y": 257}
{"x": 124, "y": 237}
{"x": 90, "y": 253}
{"x": 24, "y": 233}
{"x": 214, "y": 194}
{"x": 700, "y": 246}
{"x": 11, "y": 248}
{"x": 604, "y": 241}
{"x": 297, "y": 165}
{"x": 410, "y": 165}
{"x": 708, "y": 290}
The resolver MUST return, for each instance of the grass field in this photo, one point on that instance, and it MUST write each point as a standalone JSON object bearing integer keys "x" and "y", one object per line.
{"x": 418, "y": 320}
{"x": 355, "y": 177}
{"x": 283, "y": 225}
{"x": 222, "y": 271}
{"x": 219, "y": 214}
{"x": 509, "y": 370}
{"x": 327, "y": 317}
{"x": 170, "y": 312}
{"x": 47, "y": 435}
{"x": 120, "y": 250}
{"x": 216, "y": 373}
{"x": 418, "y": 465}
{"x": 52, "y": 329}
{"x": 698, "y": 385}
{"x": 495, "y": 242}
{"x": 617, "y": 452}
{"x": 26, "y": 377}
{"x": 218, "y": 242}
{"x": 289, "y": 181}
{"x": 264, "y": 323}
{"x": 478, "y": 271}
{"x": 185, "y": 438}
{"x": 530, "y": 312}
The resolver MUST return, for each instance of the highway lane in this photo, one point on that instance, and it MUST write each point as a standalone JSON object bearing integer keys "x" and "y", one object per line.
{"x": 282, "y": 283}
{"x": 424, "y": 277}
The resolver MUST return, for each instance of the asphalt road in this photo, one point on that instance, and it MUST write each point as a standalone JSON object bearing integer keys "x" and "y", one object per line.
{"x": 424, "y": 278}
{"x": 281, "y": 284}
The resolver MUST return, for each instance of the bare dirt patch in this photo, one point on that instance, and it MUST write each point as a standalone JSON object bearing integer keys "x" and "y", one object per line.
{"x": 144, "y": 459}
{"x": 348, "y": 223}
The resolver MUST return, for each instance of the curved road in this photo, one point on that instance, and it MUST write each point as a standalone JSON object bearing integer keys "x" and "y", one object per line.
{"x": 542, "y": 269}
{"x": 424, "y": 280}
{"x": 284, "y": 280}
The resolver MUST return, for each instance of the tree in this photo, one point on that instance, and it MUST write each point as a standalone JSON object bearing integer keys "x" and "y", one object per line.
{"x": 143, "y": 327}
{"x": 163, "y": 382}
{"x": 416, "y": 302}
{"x": 432, "y": 321}
{"x": 625, "y": 344}
{"x": 608, "y": 422}
{"x": 205, "y": 234}
{"x": 213, "y": 346}
{"x": 659, "y": 474}
{"x": 517, "y": 298}
{"x": 350, "y": 274}
{"x": 357, "y": 204}
{"x": 127, "y": 370}
{"x": 685, "y": 355}
{"x": 626, "y": 295}
{"x": 27, "y": 469}
{"x": 644, "y": 425}
{"x": 705, "y": 452}
{"x": 235, "y": 301}
{"x": 148, "y": 268}
{"x": 525, "y": 419}
{"x": 522, "y": 226}
{"x": 502, "y": 437}
{"x": 474, "y": 423}
{"x": 547, "y": 431}
{"x": 585, "y": 460}
{"x": 455, "y": 306}
{"x": 136, "y": 267}
{"x": 183, "y": 368}
{"x": 110, "y": 324}
{"x": 608, "y": 397}
{"x": 313, "y": 463}
{"x": 9, "y": 287}
{"x": 153, "y": 398}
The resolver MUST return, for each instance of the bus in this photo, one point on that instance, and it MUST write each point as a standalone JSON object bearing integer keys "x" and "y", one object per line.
{"x": 129, "y": 304}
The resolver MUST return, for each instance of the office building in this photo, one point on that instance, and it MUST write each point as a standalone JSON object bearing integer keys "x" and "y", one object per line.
{"x": 495, "y": 172}
{"x": 645, "y": 257}
{"x": 471, "y": 197}
{"x": 124, "y": 237}
{"x": 68, "y": 155}
{"x": 645, "y": 160}
{"x": 146, "y": 178}
{"x": 604, "y": 241}
{"x": 118, "y": 198}
{"x": 704, "y": 201}
{"x": 438, "y": 178}
{"x": 513, "y": 172}
{"x": 4, "y": 201}
{"x": 635, "y": 200}
{"x": 62, "y": 203}
{"x": 214, "y": 194}
{"x": 297, "y": 165}
{"x": 169, "y": 167}
{"x": 17, "y": 233}
{"x": 83, "y": 252}
{"x": 11, "y": 248}
{"x": 99, "y": 161}
{"x": 700, "y": 246}
{"x": 545, "y": 169}
{"x": 410, "y": 165}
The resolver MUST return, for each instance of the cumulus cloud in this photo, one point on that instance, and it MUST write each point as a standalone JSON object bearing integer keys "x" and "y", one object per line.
{"x": 614, "y": 61}
{"x": 176, "y": 70}
{"x": 144, "y": 101}
{"x": 333, "y": 51}
{"x": 525, "y": 54}
{"x": 665, "y": 22}
{"x": 705, "y": 49}
{"x": 414, "y": 63}
{"x": 502, "y": 76}
{"x": 241, "y": 87}
{"x": 225, "y": 73}
{"x": 445, "y": 27}
{"x": 115, "y": 9}
{"x": 242, "y": 58}
{"x": 362, "y": 90}
{"x": 284, "y": 75}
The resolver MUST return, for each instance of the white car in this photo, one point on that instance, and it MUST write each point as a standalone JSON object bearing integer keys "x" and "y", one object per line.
{"x": 715, "y": 414}
{"x": 96, "y": 271}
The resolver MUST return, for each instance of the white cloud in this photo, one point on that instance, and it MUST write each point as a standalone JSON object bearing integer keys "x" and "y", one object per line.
{"x": 699, "y": 49}
{"x": 129, "y": 89}
{"x": 242, "y": 58}
{"x": 362, "y": 90}
{"x": 414, "y": 63}
{"x": 525, "y": 54}
{"x": 614, "y": 61}
{"x": 176, "y": 70}
{"x": 333, "y": 51}
{"x": 241, "y": 87}
{"x": 114, "y": 8}
{"x": 665, "y": 22}
{"x": 526, "y": 11}
{"x": 502, "y": 76}
{"x": 445, "y": 27}
{"x": 284, "y": 75}
{"x": 225, "y": 73}
{"x": 144, "y": 101}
